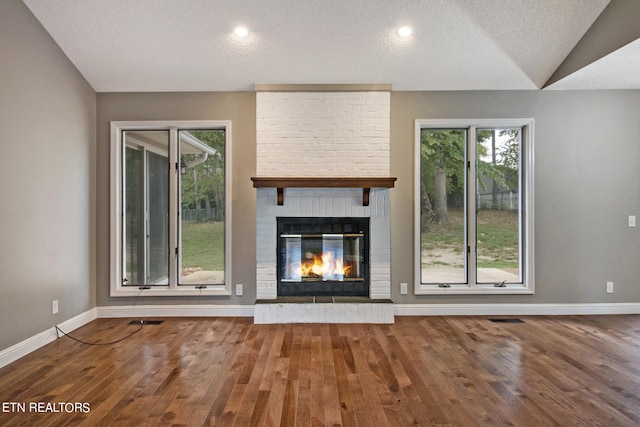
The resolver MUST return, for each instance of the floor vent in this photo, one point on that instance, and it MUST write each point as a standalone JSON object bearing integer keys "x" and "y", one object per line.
{"x": 506, "y": 320}
{"x": 146, "y": 322}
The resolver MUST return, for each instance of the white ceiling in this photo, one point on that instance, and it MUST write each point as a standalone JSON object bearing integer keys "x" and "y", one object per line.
{"x": 188, "y": 45}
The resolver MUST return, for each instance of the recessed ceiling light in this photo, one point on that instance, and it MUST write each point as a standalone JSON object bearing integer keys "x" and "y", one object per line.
{"x": 241, "y": 31}
{"x": 405, "y": 31}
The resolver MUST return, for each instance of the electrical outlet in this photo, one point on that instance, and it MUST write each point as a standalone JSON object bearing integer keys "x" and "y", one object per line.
{"x": 239, "y": 290}
{"x": 632, "y": 220}
{"x": 609, "y": 287}
{"x": 54, "y": 307}
{"x": 403, "y": 288}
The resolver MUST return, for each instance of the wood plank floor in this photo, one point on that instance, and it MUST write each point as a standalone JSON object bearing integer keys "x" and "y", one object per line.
{"x": 433, "y": 371}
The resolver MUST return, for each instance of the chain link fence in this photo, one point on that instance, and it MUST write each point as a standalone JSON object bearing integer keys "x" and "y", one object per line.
{"x": 198, "y": 216}
{"x": 505, "y": 201}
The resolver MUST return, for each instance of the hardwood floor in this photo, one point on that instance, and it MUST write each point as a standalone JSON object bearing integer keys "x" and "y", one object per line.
{"x": 434, "y": 371}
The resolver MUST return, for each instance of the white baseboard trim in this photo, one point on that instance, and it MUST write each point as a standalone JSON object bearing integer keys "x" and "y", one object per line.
{"x": 514, "y": 309}
{"x": 175, "y": 311}
{"x": 43, "y": 338}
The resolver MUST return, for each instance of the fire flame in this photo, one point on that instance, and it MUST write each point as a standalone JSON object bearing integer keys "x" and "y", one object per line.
{"x": 324, "y": 265}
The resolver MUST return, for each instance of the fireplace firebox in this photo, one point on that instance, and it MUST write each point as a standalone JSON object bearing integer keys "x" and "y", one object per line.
{"x": 323, "y": 256}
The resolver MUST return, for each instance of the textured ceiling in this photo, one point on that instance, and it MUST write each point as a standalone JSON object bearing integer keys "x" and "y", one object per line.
{"x": 188, "y": 45}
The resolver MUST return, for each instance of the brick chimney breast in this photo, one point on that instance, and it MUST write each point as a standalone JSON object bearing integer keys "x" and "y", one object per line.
{"x": 323, "y": 131}
{"x": 323, "y": 134}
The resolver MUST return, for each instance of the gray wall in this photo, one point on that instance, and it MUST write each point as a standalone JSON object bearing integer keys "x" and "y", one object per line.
{"x": 240, "y": 108}
{"x": 587, "y": 179}
{"x": 587, "y": 148}
{"x": 47, "y": 118}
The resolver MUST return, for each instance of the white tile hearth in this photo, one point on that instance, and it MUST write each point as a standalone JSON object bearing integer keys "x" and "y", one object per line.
{"x": 324, "y": 313}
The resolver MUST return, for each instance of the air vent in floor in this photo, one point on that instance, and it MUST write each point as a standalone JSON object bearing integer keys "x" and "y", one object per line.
{"x": 146, "y": 322}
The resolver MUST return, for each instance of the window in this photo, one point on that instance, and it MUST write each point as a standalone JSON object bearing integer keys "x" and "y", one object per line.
{"x": 474, "y": 206}
{"x": 170, "y": 210}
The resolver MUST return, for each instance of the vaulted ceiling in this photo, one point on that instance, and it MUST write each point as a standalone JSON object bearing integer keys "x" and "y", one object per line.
{"x": 189, "y": 45}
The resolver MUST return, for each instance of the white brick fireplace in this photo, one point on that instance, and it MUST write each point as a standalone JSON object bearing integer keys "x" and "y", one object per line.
{"x": 323, "y": 134}
{"x": 313, "y": 132}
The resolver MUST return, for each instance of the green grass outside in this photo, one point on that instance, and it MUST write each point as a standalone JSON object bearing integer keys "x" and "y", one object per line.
{"x": 449, "y": 236}
{"x": 203, "y": 246}
{"x": 497, "y": 235}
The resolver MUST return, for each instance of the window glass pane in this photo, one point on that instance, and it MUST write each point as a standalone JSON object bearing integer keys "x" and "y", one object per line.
{"x": 146, "y": 207}
{"x": 498, "y": 206}
{"x": 202, "y": 204}
{"x": 442, "y": 205}
{"x": 158, "y": 218}
{"x": 134, "y": 216}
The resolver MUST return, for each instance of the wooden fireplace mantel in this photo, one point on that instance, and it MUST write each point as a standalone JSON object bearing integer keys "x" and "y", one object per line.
{"x": 280, "y": 183}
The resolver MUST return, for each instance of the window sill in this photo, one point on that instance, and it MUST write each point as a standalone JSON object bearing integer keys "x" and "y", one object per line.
{"x": 422, "y": 289}
{"x": 163, "y": 291}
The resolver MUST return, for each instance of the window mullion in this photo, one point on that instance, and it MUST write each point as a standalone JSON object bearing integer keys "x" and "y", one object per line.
{"x": 523, "y": 208}
{"x": 121, "y": 175}
{"x": 470, "y": 217}
{"x": 173, "y": 207}
{"x": 145, "y": 210}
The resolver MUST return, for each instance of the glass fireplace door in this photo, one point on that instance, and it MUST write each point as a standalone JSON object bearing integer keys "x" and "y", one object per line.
{"x": 321, "y": 257}
{"x": 317, "y": 263}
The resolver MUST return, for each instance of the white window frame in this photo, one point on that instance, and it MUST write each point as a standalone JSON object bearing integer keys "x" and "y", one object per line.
{"x": 527, "y": 222}
{"x": 116, "y": 244}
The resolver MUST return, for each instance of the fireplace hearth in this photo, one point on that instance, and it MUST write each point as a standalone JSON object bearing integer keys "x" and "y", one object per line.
{"x": 323, "y": 256}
